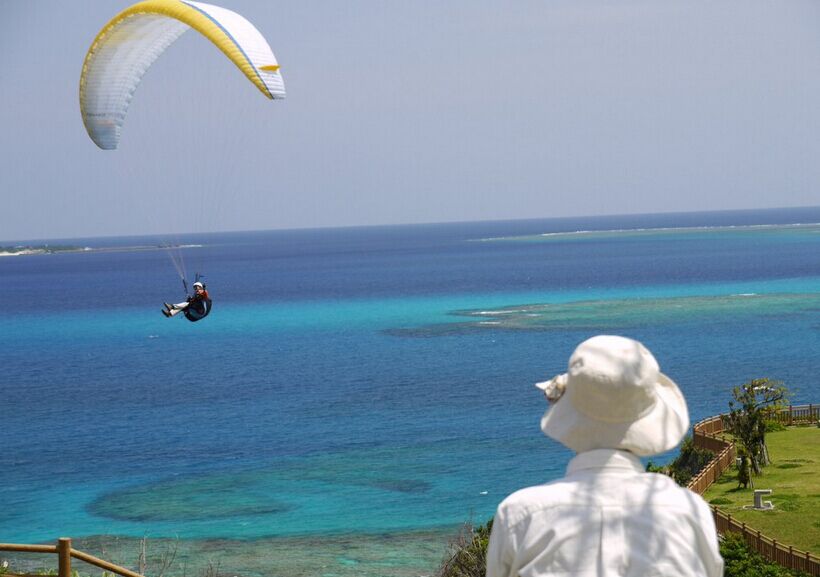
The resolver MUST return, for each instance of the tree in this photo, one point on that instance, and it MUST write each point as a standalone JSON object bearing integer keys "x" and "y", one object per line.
{"x": 744, "y": 479}
{"x": 753, "y": 403}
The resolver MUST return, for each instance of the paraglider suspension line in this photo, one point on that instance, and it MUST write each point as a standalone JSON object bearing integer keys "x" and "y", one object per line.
{"x": 175, "y": 254}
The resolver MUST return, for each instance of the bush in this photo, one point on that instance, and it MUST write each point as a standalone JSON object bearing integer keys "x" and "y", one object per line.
{"x": 773, "y": 426}
{"x": 653, "y": 468}
{"x": 468, "y": 557}
{"x": 686, "y": 465}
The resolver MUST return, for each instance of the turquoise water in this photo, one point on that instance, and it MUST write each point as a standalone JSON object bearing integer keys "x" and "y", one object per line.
{"x": 357, "y": 394}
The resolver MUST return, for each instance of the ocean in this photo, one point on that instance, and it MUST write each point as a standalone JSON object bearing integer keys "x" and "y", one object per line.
{"x": 358, "y": 394}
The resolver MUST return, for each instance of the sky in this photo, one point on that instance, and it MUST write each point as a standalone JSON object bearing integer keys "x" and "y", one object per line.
{"x": 424, "y": 111}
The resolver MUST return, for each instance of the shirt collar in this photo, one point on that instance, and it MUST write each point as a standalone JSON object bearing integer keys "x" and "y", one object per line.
{"x": 605, "y": 458}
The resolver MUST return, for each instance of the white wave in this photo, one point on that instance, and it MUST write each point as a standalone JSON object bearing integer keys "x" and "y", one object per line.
{"x": 732, "y": 227}
{"x": 504, "y": 312}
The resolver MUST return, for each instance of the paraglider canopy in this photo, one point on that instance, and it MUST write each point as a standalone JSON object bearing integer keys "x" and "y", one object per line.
{"x": 127, "y": 46}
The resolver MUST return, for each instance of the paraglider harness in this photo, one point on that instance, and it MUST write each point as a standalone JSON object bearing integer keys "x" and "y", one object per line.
{"x": 198, "y": 307}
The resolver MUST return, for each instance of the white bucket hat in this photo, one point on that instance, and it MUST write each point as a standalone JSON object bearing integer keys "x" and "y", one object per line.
{"x": 614, "y": 396}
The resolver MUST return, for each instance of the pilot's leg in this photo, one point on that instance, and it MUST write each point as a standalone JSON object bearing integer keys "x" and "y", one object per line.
{"x": 171, "y": 310}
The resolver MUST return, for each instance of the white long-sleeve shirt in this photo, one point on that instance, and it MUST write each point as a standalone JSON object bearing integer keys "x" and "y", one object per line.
{"x": 607, "y": 517}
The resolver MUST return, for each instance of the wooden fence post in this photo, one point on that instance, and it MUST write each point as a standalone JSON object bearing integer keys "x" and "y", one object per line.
{"x": 64, "y": 556}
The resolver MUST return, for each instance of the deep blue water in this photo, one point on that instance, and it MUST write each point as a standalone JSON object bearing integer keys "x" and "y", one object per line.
{"x": 333, "y": 391}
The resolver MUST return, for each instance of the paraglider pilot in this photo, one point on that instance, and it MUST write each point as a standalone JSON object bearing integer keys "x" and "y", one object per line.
{"x": 195, "y": 307}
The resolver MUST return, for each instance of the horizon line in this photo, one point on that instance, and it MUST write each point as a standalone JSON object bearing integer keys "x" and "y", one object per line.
{"x": 424, "y": 223}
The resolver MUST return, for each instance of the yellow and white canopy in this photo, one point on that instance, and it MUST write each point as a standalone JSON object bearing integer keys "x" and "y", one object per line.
{"x": 127, "y": 46}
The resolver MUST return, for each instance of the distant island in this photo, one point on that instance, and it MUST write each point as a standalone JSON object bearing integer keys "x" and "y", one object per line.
{"x": 702, "y": 232}
{"x": 40, "y": 249}
{"x": 21, "y": 250}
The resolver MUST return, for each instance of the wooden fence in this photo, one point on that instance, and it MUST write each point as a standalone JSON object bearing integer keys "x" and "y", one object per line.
{"x": 798, "y": 415}
{"x": 64, "y": 554}
{"x": 709, "y": 434}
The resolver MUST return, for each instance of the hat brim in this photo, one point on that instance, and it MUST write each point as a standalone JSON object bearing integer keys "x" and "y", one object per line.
{"x": 660, "y": 430}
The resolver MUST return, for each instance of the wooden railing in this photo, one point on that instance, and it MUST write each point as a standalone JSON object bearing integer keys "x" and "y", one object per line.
{"x": 798, "y": 415}
{"x": 709, "y": 434}
{"x": 784, "y": 555}
{"x": 64, "y": 555}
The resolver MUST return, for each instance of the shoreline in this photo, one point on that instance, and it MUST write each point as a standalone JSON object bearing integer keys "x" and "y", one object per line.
{"x": 404, "y": 554}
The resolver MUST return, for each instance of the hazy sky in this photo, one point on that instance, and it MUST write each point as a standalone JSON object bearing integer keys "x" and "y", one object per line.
{"x": 419, "y": 111}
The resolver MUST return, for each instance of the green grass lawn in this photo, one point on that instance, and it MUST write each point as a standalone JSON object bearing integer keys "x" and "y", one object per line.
{"x": 793, "y": 477}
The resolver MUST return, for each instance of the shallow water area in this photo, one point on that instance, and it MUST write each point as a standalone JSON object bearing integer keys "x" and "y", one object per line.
{"x": 624, "y": 314}
{"x": 358, "y": 394}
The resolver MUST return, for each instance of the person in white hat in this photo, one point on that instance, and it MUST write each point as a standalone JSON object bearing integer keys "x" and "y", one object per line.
{"x": 608, "y": 516}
